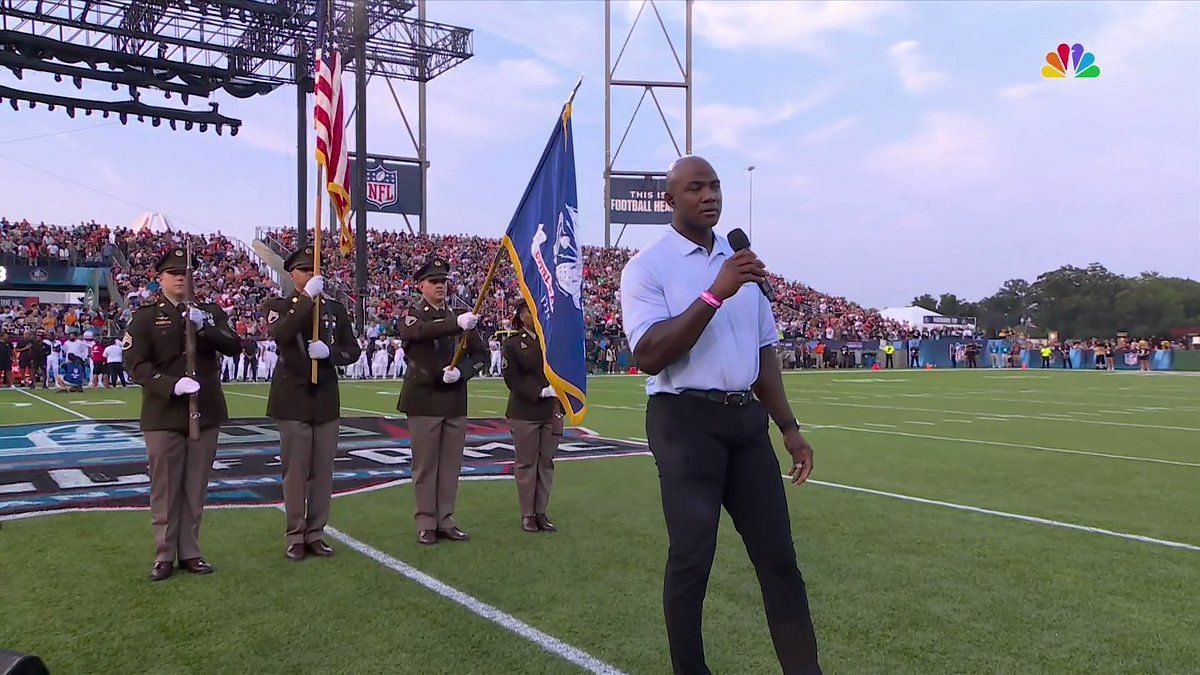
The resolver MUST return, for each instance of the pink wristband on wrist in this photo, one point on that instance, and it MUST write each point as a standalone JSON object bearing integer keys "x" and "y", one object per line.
{"x": 711, "y": 299}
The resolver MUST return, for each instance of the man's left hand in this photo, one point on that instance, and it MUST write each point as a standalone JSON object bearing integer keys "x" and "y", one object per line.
{"x": 802, "y": 456}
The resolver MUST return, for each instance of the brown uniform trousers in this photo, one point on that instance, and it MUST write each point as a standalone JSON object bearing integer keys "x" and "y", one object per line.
{"x": 307, "y": 414}
{"x": 307, "y": 451}
{"x": 437, "y": 412}
{"x": 179, "y": 467}
{"x": 536, "y": 422}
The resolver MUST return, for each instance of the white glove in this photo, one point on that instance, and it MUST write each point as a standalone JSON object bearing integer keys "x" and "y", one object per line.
{"x": 198, "y": 317}
{"x": 318, "y": 350}
{"x": 548, "y": 392}
{"x": 450, "y": 375}
{"x": 315, "y": 286}
{"x": 467, "y": 321}
{"x": 185, "y": 386}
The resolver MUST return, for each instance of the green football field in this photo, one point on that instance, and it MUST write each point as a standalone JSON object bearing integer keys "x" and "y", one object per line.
{"x": 982, "y": 521}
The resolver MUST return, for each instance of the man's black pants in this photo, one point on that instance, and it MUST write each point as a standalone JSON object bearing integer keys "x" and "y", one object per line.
{"x": 249, "y": 368}
{"x": 710, "y": 455}
{"x": 116, "y": 373}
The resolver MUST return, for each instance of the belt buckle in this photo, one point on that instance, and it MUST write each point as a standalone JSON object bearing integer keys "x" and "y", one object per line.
{"x": 735, "y": 398}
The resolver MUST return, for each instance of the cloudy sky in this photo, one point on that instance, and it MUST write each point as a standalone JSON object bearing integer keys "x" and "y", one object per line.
{"x": 900, "y": 148}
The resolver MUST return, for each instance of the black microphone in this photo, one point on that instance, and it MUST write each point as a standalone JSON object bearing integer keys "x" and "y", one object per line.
{"x": 738, "y": 241}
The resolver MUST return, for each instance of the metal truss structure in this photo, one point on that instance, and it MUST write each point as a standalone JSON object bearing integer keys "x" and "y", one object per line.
{"x": 649, "y": 88}
{"x": 195, "y": 47}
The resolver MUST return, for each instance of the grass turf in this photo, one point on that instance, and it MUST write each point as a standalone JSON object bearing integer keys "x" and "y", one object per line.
{"x": 896, "y": 586}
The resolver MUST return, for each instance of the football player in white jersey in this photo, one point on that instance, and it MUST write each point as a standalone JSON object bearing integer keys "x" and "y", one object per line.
{"x": 494, "y": 348}
{"x": 268, "y": 357}
{"x": 380, "y": 360}
{"x": 53, "y": 358}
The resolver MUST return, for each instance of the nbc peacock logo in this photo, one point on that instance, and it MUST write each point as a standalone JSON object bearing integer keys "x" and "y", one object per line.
{"x": 1070, "y": 61}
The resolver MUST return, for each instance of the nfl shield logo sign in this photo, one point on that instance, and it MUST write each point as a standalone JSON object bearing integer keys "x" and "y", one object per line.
{"x": 382, "y": 186}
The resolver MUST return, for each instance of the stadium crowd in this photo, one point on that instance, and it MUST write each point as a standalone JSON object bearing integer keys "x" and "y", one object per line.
{"x": 231, "y": 275}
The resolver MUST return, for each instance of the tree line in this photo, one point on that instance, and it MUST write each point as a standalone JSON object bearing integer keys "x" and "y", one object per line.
{"x": 1080, "y": 303}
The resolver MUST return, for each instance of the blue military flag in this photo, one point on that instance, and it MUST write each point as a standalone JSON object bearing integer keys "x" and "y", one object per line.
{"x": 542, "y": 246}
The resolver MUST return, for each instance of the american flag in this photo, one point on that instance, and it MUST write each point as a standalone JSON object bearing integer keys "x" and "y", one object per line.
{"x": 329, "y": 118}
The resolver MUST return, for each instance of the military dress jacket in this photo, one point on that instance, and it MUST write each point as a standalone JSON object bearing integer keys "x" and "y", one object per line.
{"x": 525, "y": 376}
{"x": 430, "y": 337}
{"x": 293, "y": 395}
{"x": 154, "y": 354}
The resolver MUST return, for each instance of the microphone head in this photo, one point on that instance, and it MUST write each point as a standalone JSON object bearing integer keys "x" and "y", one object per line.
{"x": 738, "y": 239}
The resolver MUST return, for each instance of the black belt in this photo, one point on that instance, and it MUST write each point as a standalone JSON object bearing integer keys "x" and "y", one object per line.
{"x": 728, "y": 398}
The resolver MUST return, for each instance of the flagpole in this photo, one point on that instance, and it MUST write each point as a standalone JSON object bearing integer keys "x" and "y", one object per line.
{"x": 491, "y": 275}
{"x": 318, "y": 235}
{"x": 487, "y": 285}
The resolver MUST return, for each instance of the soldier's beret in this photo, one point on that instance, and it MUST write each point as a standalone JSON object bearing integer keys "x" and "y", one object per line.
{"x": 174, "y": 260}
{"x": 301, "y": 257}
{"x": 434, "y": 268}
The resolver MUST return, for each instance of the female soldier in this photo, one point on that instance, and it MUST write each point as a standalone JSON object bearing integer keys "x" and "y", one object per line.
{"x": 535, "y": 418}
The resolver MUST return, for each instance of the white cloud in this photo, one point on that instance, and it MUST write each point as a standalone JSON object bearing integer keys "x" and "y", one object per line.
{"x": 911, "y": 66}
{"x": 555, "y": 32}
{"x": 727, "y": 125}
{"x": 949, "y": 148}
{"x": 829, "y": 131}
{"x": 789, "y": 26}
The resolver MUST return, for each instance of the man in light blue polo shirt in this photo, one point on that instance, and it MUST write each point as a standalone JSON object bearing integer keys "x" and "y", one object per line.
{"x": 699, "y": 325}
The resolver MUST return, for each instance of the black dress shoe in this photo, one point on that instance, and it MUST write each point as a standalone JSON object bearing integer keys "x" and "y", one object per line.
{"x": 320, "y": 549}
{"x": 529, "y": 524}
{"x": 196, "y": 566}
{"x": 427, "y": 537}
{"x": 544, "y": 523}
{"x": 295, "y": 552}
{"x": 161, "y": 570}
{"x": 453, "y": 534}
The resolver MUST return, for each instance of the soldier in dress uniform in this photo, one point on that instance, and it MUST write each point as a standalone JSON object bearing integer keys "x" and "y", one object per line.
{"x": 535, "y": 417}
{"x": 435, "y": 399}
{"x": 179, "y": 467}
{"x": 307, "y": 414}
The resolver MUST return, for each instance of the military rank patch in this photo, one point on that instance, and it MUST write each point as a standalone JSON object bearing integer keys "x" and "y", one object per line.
{"x": 127, "y": 341}
{"x": 272, "y": 316}
{"x": 410, "y": 320}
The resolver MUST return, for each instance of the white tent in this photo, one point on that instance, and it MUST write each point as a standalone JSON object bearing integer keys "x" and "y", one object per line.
{"x": 913, "y": 316}
{"x": 155, "y": 222}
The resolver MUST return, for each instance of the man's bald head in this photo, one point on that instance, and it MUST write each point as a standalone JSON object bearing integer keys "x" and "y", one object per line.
{"x": 694, "y": 193}
{"x": 685, "y": 164}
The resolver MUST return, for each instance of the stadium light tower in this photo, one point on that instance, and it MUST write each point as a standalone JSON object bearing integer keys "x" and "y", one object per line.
{"x": 750, "y": 222}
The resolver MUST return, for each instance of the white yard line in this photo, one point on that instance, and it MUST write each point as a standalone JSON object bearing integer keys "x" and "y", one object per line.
{"x": 1040, "y": 448}
{"x": 980, "y": 413}
{"x": 1012, "y": 516}
{"x": 53, "y": 404}
{"x": 345, "y": 407}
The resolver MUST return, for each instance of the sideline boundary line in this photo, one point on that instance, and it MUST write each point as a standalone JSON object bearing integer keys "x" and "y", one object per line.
{"x": 546, "y": 642}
